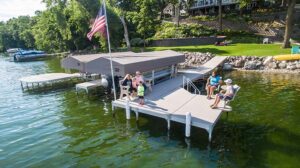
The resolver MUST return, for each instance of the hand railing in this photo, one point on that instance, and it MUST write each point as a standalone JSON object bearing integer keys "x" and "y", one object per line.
{"x": 187, "y": 83}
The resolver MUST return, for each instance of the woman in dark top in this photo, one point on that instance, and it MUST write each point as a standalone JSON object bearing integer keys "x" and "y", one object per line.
{"x": 127, "y": 81}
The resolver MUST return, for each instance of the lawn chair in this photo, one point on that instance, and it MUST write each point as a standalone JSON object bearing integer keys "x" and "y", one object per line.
{"x": 266, "y": 41}
{"x": 295, "y": 50}
{"x": 124, "y": 90}
{"x": 218, "y": 89}
{"x": 236, "y": 88}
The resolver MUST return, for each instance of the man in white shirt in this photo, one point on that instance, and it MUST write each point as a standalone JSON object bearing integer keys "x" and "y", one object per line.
{"x": 224, "y": 95}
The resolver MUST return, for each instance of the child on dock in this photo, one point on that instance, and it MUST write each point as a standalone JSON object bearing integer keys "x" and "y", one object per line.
{"x": 141, "y": 92}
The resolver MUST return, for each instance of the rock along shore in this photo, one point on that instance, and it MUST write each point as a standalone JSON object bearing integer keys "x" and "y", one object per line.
{"x": 244, "y": 63}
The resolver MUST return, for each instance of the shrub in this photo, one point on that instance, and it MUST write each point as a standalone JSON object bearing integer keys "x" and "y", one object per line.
{"x": 170, "y": 30}
{"x": 137, "y": 42}
{"x": 203, "y": 18}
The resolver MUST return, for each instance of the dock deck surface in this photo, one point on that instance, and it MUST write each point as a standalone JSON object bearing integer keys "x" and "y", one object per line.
{"x": 48, "y": 77}
{"x": 169, "y": 100}
{"x": 88, "y": 85}
{"x": 44, "y": 79}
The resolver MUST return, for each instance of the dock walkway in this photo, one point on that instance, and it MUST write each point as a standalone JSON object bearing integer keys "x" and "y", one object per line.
{"x": 42, "y": 79}
{"x": 169, "y": 100}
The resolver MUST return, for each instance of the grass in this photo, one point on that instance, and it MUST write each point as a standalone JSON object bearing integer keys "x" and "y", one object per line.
{"x": 239, "y": 49}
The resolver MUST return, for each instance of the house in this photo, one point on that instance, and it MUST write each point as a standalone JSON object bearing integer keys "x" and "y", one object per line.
{"x": 211, "y": 6}
{"x": 169, "y": 10}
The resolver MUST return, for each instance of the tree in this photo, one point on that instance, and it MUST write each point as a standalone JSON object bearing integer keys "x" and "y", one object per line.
{"x": 220, "y": 15}
{"x": 16, "y": 33}
{"x": 145, "y": 17}
{"x": 243, "y": 4}
{"x": 289, "y": 23}
{"x": 122, "y": 7}
{"x": 47, "y": 35}
{"x": 77, "y": 23}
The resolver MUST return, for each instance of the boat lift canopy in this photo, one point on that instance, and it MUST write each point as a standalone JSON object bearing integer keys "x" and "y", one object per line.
{"x": 123, "y": 62}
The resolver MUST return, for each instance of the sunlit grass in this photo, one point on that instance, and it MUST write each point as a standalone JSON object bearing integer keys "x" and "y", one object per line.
{"x": 239, "y": 49}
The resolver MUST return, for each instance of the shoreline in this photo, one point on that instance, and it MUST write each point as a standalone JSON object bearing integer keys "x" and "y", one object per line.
{"x": 245, "y": 63}
{"x": 268, "y": 71}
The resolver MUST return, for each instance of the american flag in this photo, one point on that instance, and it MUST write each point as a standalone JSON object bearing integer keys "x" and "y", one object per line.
{"x": 99, "y": 24}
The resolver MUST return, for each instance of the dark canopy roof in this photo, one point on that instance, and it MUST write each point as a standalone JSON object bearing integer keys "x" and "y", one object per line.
{"x": 123, "y": 62}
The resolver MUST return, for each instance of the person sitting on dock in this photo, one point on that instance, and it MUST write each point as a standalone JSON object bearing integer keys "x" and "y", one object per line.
{"x": 127, "y": 81}
{"x": 212, "y": 83}
{"x": 224, "y": 95}
{"x": 141, "y": 92}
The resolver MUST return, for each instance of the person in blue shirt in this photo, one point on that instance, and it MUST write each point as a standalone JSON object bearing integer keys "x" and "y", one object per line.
{"x": 212, "y": 83}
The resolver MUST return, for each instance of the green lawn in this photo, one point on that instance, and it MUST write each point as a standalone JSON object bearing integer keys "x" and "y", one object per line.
{"x": 238, "y": 49}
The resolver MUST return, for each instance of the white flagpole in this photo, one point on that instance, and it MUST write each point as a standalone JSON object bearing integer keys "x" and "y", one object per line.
{"x": 109, "y": 50}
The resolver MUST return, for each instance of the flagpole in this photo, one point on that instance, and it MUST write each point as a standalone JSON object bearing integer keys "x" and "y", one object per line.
{"x": 109, "y": 50}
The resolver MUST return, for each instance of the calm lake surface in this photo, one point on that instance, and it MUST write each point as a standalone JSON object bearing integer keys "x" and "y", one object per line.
{"x": 59, "y": 129}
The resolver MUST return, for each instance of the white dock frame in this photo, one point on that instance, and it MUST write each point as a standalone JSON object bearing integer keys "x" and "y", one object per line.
{"x": 42, "y": 79}
{"x": 172, "y": 101}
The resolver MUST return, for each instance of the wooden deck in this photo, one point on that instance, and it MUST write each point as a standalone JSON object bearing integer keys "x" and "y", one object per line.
{"x": 169, "y": 100}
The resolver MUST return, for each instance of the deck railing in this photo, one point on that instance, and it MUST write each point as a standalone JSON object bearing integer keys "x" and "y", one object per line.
{"x": 188, "y": 84}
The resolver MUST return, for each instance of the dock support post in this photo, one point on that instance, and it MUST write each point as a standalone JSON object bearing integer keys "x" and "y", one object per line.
{"x": 112, "y": 107}
{"x": 169, "y": 122}
{"x": 210, "y": 134}
{"x": 188, "y": 120}
{"x": 127, "y": 110}
{"x": 136, "y": 115}
{"x": 153, "y": 76}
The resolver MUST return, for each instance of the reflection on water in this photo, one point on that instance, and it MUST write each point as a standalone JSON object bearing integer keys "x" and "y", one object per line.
{"x": 59, "y": 129}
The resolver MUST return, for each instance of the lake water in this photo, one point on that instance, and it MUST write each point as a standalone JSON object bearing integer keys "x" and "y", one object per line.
{"x": 59, "y": 129}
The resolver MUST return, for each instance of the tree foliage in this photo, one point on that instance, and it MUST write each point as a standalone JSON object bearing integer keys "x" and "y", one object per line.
{"x": 62, "y": 26}
{"x": 15, "y": 33}
{"x": 145, "y": 17}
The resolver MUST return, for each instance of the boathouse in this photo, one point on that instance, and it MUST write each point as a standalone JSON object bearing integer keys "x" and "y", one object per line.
{"x": 123, "y": 62}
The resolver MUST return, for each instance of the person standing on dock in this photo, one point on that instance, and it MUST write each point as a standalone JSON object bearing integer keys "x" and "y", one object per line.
{"x": 212, "y": 83}
{"x": 140, "y": 78}
{"x": 141, "y": 93}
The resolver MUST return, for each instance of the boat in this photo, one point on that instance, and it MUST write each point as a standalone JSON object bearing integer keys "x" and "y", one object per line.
{"x": 13, "y": 50}
{"x": 287, "y": 57}
{"x": 26, "y": 55}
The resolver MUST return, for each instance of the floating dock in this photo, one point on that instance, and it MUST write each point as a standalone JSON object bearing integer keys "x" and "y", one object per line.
{"x": 34, "y": 81}
{"x": 90, "y": 85}
{"x": 172, "y": 100}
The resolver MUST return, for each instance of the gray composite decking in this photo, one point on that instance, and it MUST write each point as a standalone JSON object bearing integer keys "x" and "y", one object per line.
{"x": 169, "y": 100}
{"x": 48, "y": 78}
